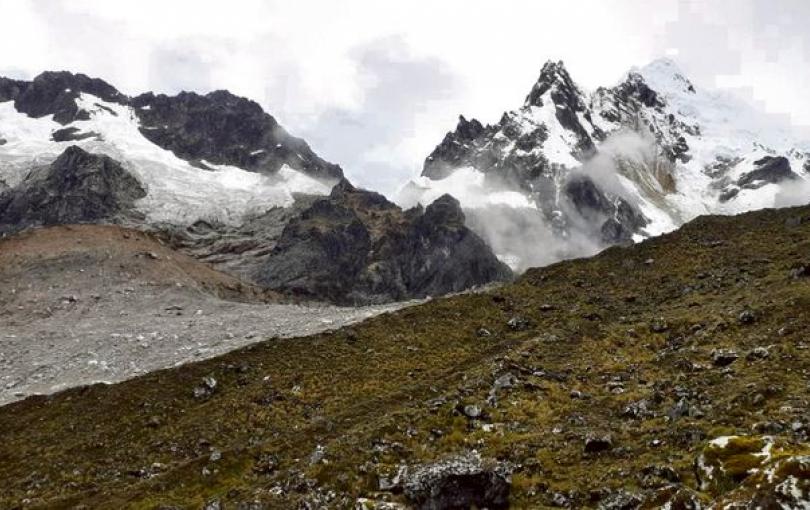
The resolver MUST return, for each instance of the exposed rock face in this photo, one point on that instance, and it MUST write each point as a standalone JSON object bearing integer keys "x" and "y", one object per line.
{"x": 458, "y": 482}
{"x": 455, "y": 150}
{"x": 55, "y": 93}
{"x": 767, "y": 170}
{"x": 10, "y": 89}
{"x": 357, "y": 247}
{"x": 78, "y": 187}
{"x": 616, "y": 219}
{"x": 219, "y": 127}
{"x": 222, "y": 128}
{"x": 69, "y": 134}
{"x": 568, "y": 103}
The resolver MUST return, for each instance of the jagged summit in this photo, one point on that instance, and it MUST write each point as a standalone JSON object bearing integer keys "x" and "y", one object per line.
{"x": 652, "y": 151}
{"x": 555, "y": 76}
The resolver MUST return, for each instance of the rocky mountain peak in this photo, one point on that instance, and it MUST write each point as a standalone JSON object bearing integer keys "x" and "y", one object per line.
{"x": 225, "y": 129}
{"x": 55, "y": 93}
{"x": 342, "y": 187}
{"x": 445, "y": 210}
{"x": 553, "y": 77}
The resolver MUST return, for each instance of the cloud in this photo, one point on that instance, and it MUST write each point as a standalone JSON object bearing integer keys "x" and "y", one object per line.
{"x": 374, "y": 138}
{"x": 180, "y": 67}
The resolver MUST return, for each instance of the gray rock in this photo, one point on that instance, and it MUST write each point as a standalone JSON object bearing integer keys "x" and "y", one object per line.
{"x": 518, "y": 323}
{"x": 318, "y": 455}
{"x": 214, "y": 504}
{"x": 463, "y": 481}
{"x": 473, "y": 411}
{"x": 747, "y": 317}
{"x": 724, "y": 357}
{"x": 621, "y": 500}
{"x": 596, "y": 442}
{"x": 206, "y": 389}
{"x": 78, "y": 187}
{"x": 483, "y": 332}
{"x": 356, "y": 247}
{"x": 758, "y": 353}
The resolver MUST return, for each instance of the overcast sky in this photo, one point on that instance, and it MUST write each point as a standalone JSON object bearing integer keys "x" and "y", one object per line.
{"x": 374, "y": 84}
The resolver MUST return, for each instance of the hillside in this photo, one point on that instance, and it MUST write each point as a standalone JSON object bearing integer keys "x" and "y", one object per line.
{"x": 611, "y": 382}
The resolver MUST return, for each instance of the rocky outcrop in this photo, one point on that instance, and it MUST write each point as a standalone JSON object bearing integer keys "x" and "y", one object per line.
{"x": 755, "y": 472}
{"x": 357, "y": 247}
{"x": 464, "y": 481}
{"x": 70, "y": 134}
{"x": 11, "y": 89}
{"x": 556, "y": 85}
{"x": 78, "y": 187}
{"x": 768, "y": 170}
{"x": 614, "y": 217}
{"x": 222, "y": 128}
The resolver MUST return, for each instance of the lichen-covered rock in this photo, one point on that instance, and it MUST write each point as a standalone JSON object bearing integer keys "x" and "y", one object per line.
{"x": 728, "y": 460}
{"x": 621, "y": 500}
{"x": 464, "y": 481}
{"x": 755, "y": 472}
{"x": 783, "y": 484}
{"x": 371, "y": 504}
{"x": 675, "y": 497}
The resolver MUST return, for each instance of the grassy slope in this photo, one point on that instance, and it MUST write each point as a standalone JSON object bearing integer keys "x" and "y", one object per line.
{"x": 351, "y": 389}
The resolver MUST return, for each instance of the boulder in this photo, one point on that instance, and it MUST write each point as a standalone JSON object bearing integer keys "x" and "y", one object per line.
{"x": 755, "y": 472}
{"x": 464, "y": 481}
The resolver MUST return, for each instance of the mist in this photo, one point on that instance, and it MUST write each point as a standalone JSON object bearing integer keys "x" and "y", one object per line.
{"x": 792, "y": 193}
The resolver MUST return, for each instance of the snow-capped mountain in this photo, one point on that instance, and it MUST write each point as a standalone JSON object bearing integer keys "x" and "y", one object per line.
{"x": 218, "y": 178}
{"x": 214, "y": 157}
{"x": 571, "y": 171}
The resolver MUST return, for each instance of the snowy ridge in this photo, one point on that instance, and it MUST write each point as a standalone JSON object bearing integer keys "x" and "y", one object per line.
{"x": 654, "y": 144}
{"x": 178, "y": 192}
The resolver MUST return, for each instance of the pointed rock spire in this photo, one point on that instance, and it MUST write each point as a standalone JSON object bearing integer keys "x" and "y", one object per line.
{"x": 552, "y": 74}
